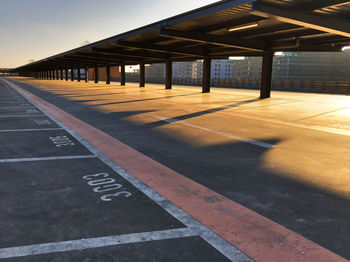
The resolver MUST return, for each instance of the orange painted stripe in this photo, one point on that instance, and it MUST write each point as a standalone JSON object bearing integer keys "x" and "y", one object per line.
{"x": 258, "y": 237}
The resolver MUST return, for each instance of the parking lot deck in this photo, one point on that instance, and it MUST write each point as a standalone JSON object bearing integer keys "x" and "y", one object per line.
{"x": 173, "y": 175}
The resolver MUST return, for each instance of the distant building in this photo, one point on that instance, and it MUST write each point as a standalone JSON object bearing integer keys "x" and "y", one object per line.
{"x": 312, "y": 66}
{"x": 289, "y": 65}
{"x": 220, "y": 69}
{"x": 183, "y": 70}
{"x": 155, "y": 72}
{"x": 290, "y": 70}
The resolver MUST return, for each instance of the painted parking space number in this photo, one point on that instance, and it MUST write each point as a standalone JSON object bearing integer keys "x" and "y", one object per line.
{"x": 102, "y": 183}
{"x": 61, "y": 141}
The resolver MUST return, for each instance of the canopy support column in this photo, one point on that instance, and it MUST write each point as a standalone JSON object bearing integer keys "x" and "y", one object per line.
{"x": 72, "y": 74}
{"x": 108, "y": 74}
{"x": 66, "y": 73}
{"x": 122, "y": 75}
{"x": 142, "y": 74}
{"x": 168, "y": 74}
{"x": 78, "y": 74}
{"x": 206, "y": 74}
{"x": 86, "y": 74}
{"x": 266, "y": 74}
{"x": 96, "y": 74}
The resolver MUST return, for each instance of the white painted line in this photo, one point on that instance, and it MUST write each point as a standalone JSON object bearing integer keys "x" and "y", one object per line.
{"x": 29, "y": 130}
{"x": 15, "y": 160}
{"x": 225, "y": 248}
{"x": 81, "y": 244}
{"x": 239, "y": 138}
{"x": 16, "y": 107}
{"x": 20, "y": 115}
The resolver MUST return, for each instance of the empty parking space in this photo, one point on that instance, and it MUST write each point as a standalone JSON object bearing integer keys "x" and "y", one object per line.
{"x": 53, "y": 201}
{"x": 19, "y": 111}
{"x": 48, "y": 143}
{"x": 24, "y": 122}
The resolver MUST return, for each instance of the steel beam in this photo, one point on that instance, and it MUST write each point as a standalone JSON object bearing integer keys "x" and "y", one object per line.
{"x": 168, "y": 74}
{"x": 227, "y": 24}
{"x": 323, "y": 4}
{"x": 206, "y": 74}
{"x": 302, "y": 18}
{"x": 122, "y": 75}
{"x": 142, "y": 74}
{"x": 66, "y": 60}
{"x": 266, "y": 75}
{"x": 125, "y": 54}
{"x": 162, "y": 49}
{"x": 103, "y": 57}
{"x": 92, "y": 60}
{"x": 256, "y": 45}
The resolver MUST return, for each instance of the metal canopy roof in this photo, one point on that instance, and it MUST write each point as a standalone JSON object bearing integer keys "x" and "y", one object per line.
{"x": 225, "y": 28}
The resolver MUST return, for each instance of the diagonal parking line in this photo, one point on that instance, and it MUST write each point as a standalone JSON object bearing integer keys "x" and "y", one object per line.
{"x": 14, "y": 160}
{"x": 16, "y": 107}
{"x": 81, "y": 244}
{"x": 29, "y": 130}
{"x": 14, "y": 116}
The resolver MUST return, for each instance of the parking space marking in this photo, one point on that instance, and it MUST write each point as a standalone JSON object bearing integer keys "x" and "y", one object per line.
{"x": 14, "y": 160}
{"x": 30, "y": 130}
{"x": 20, "y": 115}
{"x": 81, "y": 244}
{"x": 42, "y": 122}
{"x": 220, "y": 244}
{"x": 17, "y": 107}
{"x": 239, "y": 138}
{"x": 103, "y": 182}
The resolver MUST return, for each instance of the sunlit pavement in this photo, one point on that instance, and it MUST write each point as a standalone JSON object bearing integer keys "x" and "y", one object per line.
{"x": 287, "y": 157}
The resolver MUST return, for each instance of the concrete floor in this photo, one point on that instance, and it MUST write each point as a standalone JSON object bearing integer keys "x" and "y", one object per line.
{"x": 287, "y": 157}
{"x": 61, "y": 201}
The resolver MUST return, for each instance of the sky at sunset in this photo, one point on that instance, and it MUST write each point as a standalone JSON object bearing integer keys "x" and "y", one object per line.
{"x": 35, "y": 29}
